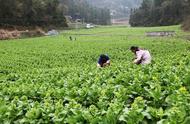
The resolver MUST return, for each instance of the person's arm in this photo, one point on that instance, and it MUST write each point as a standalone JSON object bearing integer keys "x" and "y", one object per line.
{"x": 106, "y": 64}
{"x": 138, "y": 58}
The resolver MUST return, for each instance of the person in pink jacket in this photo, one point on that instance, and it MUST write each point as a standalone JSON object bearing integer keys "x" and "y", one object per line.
{"x": 142, "y": 56}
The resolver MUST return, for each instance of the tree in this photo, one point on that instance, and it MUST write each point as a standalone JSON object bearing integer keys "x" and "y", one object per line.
{"x": 159, "y": 12}
{"x": 186, "y": 22}
{"x": 81, "y": 9}
{"x": 31, "y": 12}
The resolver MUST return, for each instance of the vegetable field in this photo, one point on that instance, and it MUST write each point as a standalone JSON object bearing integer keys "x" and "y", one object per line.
{"x": 52, "y": 80}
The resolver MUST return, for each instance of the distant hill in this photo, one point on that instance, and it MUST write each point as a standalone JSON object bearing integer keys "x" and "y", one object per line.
{"x": 118, "y": 8}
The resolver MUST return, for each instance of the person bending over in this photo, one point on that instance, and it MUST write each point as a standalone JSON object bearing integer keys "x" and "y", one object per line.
{"x": 142, "y": 56}
{"x": 103, "y": 61}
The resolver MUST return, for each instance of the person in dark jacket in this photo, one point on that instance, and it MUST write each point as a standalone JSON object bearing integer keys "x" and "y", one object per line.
{"x": 103, "y": 61}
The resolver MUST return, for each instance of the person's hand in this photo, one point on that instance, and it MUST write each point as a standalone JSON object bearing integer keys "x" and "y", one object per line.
{"x": 105, "y": 64}
{"x": 108, "y": 64}
{"x": 98, "y": 65}
{"x": 138, "y": 62}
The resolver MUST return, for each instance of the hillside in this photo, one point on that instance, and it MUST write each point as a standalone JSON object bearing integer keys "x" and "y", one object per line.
{"x": 119, "y": 8}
